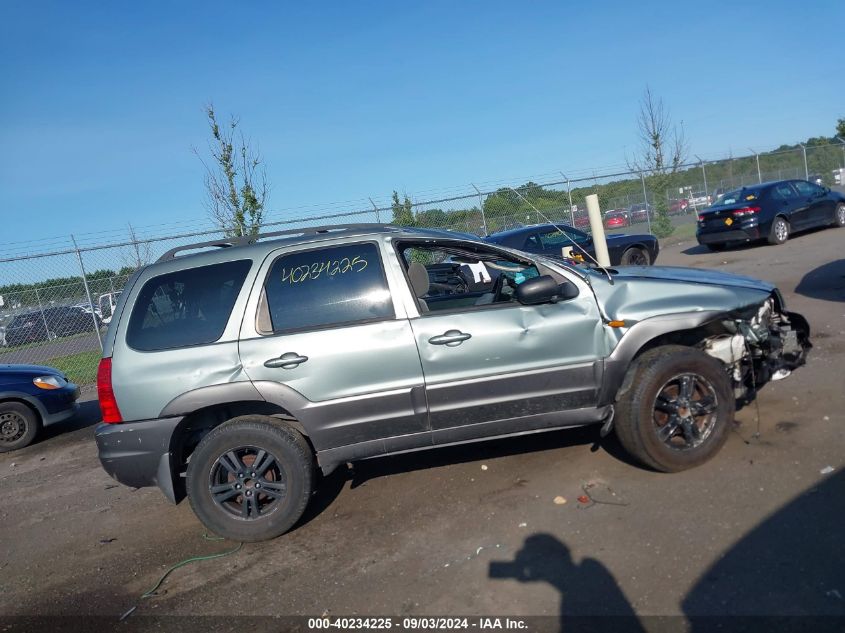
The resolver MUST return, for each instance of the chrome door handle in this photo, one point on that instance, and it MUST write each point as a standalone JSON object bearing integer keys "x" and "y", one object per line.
{"x": 289, "y": 360}
{"x": 450, "y": 338}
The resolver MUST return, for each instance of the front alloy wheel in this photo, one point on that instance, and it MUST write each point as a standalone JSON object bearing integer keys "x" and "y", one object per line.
{"x": 685, "y": 411}
{"x": 677, "y": 410}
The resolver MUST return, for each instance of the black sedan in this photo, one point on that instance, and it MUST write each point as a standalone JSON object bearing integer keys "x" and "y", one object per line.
{"x": 31, "y": 397}
{"x": 770, "y": 211}
{"x": 555, "y": 240}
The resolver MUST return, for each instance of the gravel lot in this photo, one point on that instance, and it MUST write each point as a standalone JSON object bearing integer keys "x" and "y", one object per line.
{"x": 755, "y": 531}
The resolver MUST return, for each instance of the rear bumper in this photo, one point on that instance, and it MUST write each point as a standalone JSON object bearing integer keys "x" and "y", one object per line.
{"x": 137, "y": 454}
{"x": 735, "y": 235}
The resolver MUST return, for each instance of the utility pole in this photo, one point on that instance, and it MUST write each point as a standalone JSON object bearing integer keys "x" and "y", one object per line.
{"x": 757, "y": 156}
{"x": 645, "y": 200}
{"x": 481, "y": 206}
{"x": 569, "y": 193}
{"x": 378, "y": 215}
{"x": 704, "y": 172}
{"x": 88, "y": 292}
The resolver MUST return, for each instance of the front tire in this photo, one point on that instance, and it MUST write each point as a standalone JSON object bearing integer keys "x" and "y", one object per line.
{"x": 635, "y": 256}
{"x": 19, "y": 426}
{"x": 678, "y": 410}
{"x": 779, "y": 232}
{"x": 250, "y": 479}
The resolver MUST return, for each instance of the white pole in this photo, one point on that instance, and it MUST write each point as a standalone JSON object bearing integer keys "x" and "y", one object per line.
{"x": 806, "y": 170}
{"x": 597, "y": 228}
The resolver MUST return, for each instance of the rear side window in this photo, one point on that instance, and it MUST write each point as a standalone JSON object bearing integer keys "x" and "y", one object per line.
{"x": 323, "y": 287}
{"x": 188, "y": 307}
{"x": 783, "y": 191}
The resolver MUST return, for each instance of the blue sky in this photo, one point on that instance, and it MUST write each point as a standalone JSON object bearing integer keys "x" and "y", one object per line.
{"x": 101, "y": 103}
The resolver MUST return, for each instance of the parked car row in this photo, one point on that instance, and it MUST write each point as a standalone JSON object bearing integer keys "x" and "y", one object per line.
{"x": 47, "y": 324}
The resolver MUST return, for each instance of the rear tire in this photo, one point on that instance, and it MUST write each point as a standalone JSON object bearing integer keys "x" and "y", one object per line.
{"x": 678, "y": 410}
{"x": 250, "y": 479}
{"x": 19, "y": 426}
{"x": 635, "y": 256}
{"x": 839, "y": 215}
{"x": 779, "y": 232}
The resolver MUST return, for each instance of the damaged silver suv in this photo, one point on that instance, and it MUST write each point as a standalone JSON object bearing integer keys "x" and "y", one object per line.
{"x": 230, "y": 375}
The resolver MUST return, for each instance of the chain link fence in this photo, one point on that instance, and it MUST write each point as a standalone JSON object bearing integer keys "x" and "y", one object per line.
{"x": 55, "y": 305}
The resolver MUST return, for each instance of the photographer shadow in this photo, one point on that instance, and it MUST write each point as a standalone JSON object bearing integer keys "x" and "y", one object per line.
{"x": 589, "y": 594}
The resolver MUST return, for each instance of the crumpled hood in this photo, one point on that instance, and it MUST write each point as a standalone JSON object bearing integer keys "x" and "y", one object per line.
{"x": 641, "y": 292}
{"x": 691, "y": 275}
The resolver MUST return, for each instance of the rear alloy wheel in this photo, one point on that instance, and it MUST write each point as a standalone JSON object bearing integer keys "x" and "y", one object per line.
{"x": 19, "y": 425}
{"x": 779, "y": 232}
{"x": 250, "y": 479}
{"x": 839, "y": 219}
{"x": 635, "y": 257}
{"x": 678, "y": 410}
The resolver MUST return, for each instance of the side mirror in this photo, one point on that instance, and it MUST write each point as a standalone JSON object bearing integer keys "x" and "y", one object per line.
{"x": 544, "y": 289}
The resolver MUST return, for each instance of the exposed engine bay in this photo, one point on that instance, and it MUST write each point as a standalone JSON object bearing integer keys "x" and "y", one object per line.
{"x": 759, "y": 344}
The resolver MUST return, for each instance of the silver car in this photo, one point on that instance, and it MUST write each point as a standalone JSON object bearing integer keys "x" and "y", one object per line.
{"x": 230, "y": 374}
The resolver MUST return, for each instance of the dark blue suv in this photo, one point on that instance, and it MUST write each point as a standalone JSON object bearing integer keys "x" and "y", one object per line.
{"x": 770, "y": 211}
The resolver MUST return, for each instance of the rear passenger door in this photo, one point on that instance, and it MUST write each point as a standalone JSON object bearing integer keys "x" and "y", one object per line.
{"x": 789, "y": 203}
{"x": 820, "y": 207}
{"x": 321, "y": 331}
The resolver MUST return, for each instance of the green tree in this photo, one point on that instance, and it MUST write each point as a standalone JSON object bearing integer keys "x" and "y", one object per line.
{"x": 840, "y": 128}
{"x": 403, "y": 212}
{"x": 235, "y": 179}
{"x": 663, "y": 149}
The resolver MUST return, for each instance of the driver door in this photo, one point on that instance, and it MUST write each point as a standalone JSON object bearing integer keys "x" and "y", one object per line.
{"x": 505, "y": 367}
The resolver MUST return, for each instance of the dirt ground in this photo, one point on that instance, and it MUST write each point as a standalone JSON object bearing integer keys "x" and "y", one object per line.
{"x": 757, "y": 531}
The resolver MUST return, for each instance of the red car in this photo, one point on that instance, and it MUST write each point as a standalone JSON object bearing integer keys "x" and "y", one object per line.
{"x": 616, "y": 219}
{"x": 581, "y": 221}
{"x": 678, "y": 206}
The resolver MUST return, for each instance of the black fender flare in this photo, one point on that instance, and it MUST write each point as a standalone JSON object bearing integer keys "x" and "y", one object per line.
{"x": 617, "y": 363}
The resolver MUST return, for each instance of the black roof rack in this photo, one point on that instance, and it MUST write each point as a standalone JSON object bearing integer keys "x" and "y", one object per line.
{"x": 246, "y": 240}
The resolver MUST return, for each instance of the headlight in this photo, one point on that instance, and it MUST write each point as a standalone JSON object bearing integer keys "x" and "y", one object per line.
{"x": 49, "y": 382}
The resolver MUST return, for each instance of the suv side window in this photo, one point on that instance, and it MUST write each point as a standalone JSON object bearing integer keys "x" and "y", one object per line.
{"x": 474, "y": 279}
{"x": 326, "y": 286}
{"x": 186, "y": 307}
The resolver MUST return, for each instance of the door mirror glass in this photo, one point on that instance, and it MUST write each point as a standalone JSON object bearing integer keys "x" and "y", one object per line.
{"x": 544, "y": 289}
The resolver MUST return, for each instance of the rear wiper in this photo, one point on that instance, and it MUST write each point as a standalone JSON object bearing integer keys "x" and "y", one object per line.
{"x": 559, "y": 228}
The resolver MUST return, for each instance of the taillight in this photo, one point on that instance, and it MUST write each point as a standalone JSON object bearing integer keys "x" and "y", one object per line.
{"x": 739, "y": 213}
{"x": 108, "y": 404}
{"x": 701, "y": 218}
